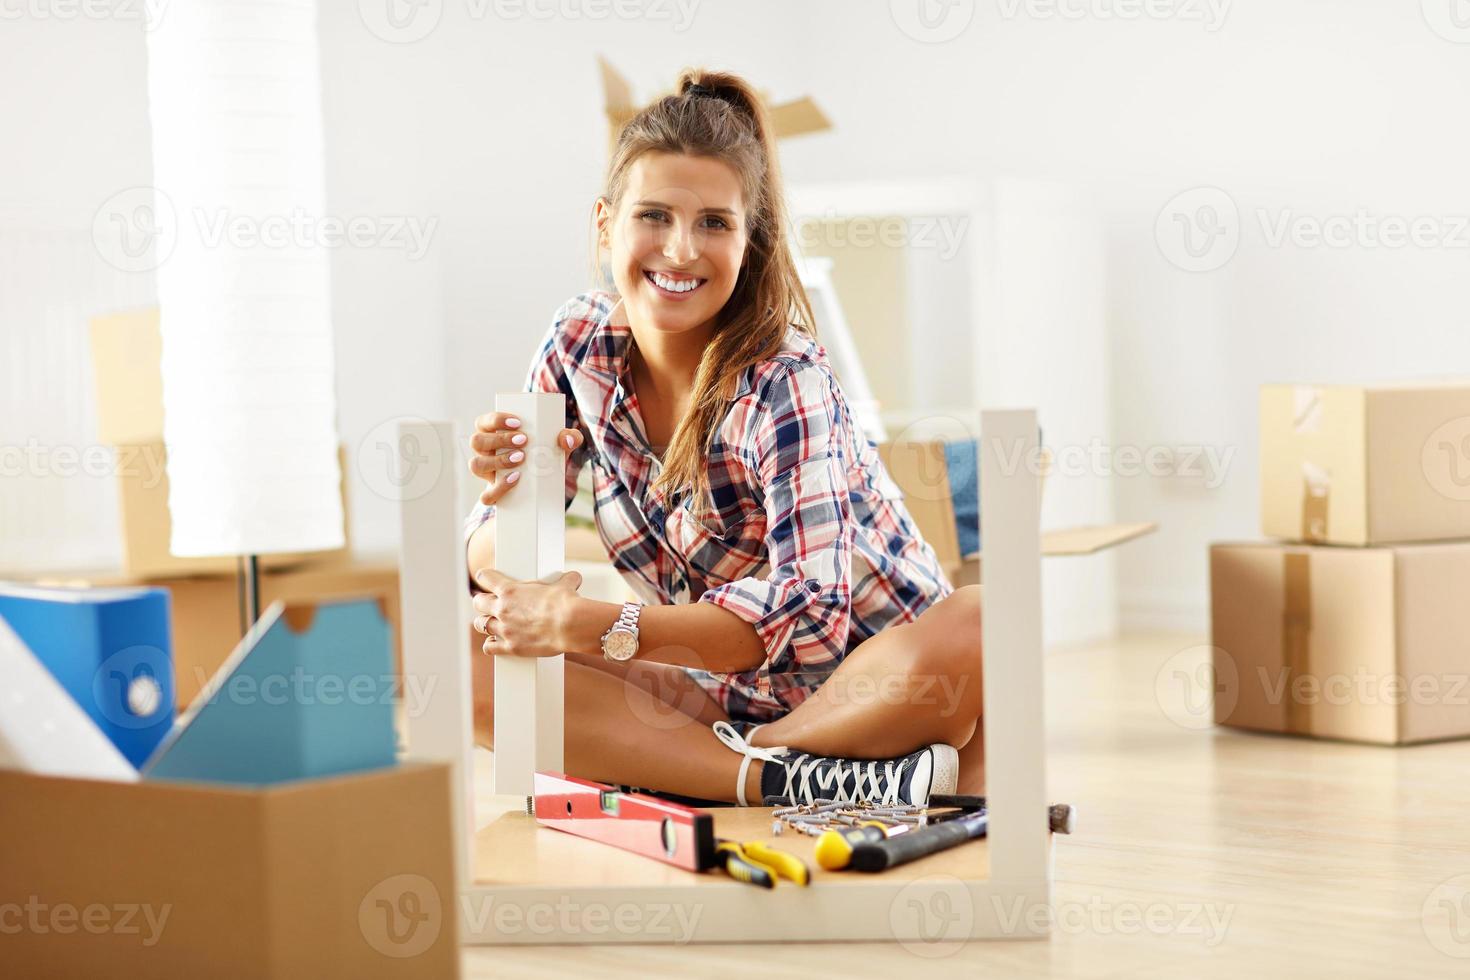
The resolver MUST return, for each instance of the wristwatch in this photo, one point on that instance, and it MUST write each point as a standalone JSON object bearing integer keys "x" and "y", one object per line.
{"x": 620, "y": 642}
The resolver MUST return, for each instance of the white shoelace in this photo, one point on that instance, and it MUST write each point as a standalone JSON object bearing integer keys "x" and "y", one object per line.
{"x": 801, "y": 770}
{"x": 883, "y": 788}
{"x": 727, "y": 734}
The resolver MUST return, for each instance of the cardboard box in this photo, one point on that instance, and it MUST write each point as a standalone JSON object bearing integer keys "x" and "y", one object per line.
{"x": 1358, "y": 465}
{"x": 205, "y": 617}
{"x": 145, "y": 522}
{"x": 1366, "y": 644}
{"x": 350, "y": 876}
{"x": 788, "y": 119}
{"x": 127, "y": 349}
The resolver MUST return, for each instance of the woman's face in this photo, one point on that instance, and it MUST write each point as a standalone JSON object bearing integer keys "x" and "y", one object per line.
{"x": 676, "y": 241}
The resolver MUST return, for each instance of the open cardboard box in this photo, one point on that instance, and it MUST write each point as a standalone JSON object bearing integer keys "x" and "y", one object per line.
{"x": 793, "y": 118}
{"x": 272, "y": 835}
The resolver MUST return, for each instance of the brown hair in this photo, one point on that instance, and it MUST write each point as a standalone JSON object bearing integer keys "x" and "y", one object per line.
{"x": 723, "y": 118}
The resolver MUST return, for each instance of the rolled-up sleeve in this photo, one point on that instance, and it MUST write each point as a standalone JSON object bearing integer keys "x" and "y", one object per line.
{"x": 796, "y": 451}
{"x": 548, "y": 373}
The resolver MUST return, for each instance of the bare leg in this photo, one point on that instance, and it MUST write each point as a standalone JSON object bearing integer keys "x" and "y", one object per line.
{"x": 641, "y": 725}
{"x": 910, "y": 686}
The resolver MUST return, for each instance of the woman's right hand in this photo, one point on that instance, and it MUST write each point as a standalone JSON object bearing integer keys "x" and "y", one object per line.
{"x": 500, "y": 450}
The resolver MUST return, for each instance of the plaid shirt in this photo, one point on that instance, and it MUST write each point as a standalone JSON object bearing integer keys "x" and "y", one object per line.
{"x": 804, "y": 535}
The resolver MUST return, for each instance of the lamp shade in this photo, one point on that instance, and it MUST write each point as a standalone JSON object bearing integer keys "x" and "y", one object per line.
{"x": 249, "y": 400}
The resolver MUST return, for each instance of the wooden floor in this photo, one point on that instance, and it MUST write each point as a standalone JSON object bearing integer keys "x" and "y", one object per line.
{"x": 1199, "y": 852}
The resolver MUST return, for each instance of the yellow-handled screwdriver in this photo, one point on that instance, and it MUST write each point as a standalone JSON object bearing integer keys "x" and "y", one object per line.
{"x": 834, "y": 847}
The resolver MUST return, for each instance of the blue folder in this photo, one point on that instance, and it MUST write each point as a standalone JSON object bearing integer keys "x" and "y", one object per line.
{"x": 109, "y": 648}
{"x": 309, "y": 692}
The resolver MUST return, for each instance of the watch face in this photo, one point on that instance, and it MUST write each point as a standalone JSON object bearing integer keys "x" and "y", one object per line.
{"x": 621, "y": 645}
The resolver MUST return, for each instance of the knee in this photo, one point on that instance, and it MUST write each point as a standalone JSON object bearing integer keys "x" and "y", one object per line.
{"x": 946, "y": 662}
{"x": 951, "y": 632}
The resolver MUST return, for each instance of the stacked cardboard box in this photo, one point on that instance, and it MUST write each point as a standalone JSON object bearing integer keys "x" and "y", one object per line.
{"x": 1353, "y": 624}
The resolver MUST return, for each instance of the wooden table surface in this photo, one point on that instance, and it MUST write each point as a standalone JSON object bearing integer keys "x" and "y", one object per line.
{"x": 513, "y": 849}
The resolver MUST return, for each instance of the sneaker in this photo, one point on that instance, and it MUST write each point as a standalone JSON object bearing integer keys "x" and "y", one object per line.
{"x": 790, "y": 778}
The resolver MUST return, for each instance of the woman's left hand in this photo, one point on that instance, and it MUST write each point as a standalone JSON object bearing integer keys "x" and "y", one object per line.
{"x": 525, "y": 619}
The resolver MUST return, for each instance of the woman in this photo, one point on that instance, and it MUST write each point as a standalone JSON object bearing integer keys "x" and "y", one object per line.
{"x": 799, "y": 639}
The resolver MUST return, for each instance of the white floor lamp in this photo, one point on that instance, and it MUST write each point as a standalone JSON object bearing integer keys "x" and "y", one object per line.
{"x": 244, "y": 296}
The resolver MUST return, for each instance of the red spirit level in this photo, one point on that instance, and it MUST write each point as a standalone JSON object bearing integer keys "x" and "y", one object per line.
{"x": 651, "y": 827}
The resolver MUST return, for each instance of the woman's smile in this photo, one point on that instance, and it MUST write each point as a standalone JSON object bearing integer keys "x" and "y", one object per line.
{"x": 675, "y": 286}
